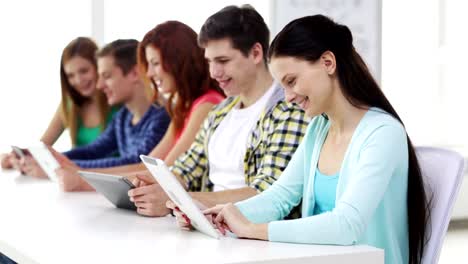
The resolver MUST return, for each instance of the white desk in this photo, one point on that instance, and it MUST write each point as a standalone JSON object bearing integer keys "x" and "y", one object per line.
{"x": 41, "y": 224}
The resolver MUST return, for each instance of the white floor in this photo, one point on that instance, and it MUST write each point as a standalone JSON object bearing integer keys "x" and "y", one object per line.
{"x": 455, "y": 248}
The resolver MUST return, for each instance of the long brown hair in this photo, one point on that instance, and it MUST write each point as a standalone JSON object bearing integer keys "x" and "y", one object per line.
{"x": 73, "y": 100}
{"x": 182, "y": 58}
{"x": 308, "y": 38}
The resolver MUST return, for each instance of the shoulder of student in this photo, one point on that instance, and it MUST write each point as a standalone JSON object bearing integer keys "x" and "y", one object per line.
{"x": 285, "y": 110}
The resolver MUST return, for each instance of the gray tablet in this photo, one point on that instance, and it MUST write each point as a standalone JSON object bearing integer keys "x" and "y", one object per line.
{"x": 115, "y": 188}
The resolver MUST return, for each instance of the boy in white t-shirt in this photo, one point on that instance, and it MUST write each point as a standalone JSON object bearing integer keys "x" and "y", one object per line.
{"x": 248, "y": 139}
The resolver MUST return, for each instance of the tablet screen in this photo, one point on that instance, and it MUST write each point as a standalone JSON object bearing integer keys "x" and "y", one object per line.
{"x": 46, "y": 160}
{"x": 115, "y": 188}
{"x": 178, "y": 195}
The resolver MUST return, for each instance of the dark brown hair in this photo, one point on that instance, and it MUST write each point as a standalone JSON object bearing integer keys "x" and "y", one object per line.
{"x": 244, "y": 26}
{"x": 123, "y": 51}
{"x": 308, "y": 38}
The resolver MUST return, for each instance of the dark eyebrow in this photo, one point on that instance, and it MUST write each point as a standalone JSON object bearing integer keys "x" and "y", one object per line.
{"x": 220, "y": 58}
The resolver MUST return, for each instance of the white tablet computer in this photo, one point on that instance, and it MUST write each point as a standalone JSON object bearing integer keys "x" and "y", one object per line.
{"x": 45, "y": 159}
{"x": 178, "y": 195}
{"x": 115, "y": 188}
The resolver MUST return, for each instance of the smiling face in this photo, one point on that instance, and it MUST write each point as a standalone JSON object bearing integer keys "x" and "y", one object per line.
{"x": 117, "y": 86}
{"x": 230, "y": 67}
{"x": 164, "y": 81}
{"x": 307, "y": 84}
{"x": 81, "y": 74}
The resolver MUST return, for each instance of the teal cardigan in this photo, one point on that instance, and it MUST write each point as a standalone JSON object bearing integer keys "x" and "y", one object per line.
{"x": 370, "y": 197}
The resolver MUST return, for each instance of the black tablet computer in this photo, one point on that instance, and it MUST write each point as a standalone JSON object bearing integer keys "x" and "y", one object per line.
{"x": 115, "y": 188}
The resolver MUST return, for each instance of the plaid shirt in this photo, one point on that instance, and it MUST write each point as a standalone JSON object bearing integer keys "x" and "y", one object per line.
{"x": 270, "y": 146}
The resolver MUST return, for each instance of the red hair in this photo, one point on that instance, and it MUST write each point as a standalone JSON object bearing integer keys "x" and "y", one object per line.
{"x": 184, "y": 60}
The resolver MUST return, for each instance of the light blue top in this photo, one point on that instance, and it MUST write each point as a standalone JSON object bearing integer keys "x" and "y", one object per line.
{"x": 371, "y": 192}
{"x": 324, "y": 191}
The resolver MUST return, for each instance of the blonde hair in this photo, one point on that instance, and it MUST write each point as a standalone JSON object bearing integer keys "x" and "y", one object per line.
{"x": 72, "y": 101}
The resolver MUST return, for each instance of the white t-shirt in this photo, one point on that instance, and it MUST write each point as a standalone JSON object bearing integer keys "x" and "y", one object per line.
{"x": 228, "y": 144}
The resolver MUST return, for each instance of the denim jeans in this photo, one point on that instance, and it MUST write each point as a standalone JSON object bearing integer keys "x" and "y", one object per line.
{"x": 5, "y": 260}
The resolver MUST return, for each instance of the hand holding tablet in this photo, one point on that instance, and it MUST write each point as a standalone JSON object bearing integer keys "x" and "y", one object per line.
{"x": 12, "y": 160}
{"x": 20, "y": 152}
{"x": 46, "y": 160}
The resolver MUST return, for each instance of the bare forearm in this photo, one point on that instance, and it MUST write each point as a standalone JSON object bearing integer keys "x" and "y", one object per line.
{"x": 210, "y": 199}
{"x": 258, "y": 231}
{"x": 54, "y": 130}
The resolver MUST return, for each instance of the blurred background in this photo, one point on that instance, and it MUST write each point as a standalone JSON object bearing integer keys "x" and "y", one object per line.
{"x": 416, "y": 49}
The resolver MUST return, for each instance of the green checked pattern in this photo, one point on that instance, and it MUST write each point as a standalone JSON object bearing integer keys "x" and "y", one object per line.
{"x": 270, "y": 147}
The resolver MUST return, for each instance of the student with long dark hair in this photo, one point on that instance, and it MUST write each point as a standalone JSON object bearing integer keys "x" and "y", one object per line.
{"x": 355, "y": 172}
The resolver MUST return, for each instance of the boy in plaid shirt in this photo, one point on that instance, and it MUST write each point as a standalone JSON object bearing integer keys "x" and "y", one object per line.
{"x": 248, "y": 139}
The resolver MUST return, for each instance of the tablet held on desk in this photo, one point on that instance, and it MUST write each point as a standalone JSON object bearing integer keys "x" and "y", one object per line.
{"x": 115, "y": 188}
{"x": 178, "y": 195}
{"x": 19, "y": 152}
{"x": 45, "y": 159}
